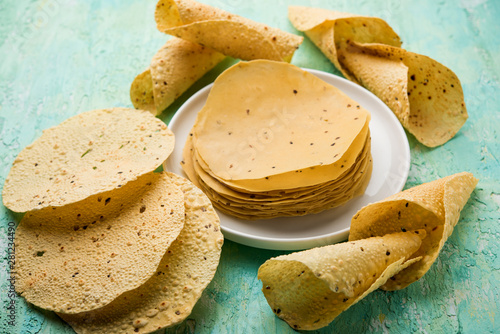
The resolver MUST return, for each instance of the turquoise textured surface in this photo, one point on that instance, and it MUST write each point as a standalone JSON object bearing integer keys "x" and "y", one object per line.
{"x": 63, "y": 57}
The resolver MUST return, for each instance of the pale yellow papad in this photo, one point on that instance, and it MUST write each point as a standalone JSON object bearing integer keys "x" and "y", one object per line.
{"x": 257, "y": 141}
{"x": 433, "y": 206}
{"x": 90, "y": 153}
{"x": 425, "y": 95}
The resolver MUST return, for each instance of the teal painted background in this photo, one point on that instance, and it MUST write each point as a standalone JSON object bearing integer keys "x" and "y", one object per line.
{"x": 62, "y": 57}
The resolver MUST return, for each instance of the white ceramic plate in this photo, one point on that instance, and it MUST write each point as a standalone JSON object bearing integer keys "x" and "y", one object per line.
{"x": 391, "y": 163}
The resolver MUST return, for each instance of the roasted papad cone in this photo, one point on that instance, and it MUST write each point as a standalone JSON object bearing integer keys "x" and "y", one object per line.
{"x": 257, "y": 155}
{"x": 90, "y": 153}
{"x": 434, "y": 207}
{"x": 426, "y": 96}
{"x": 224, "y": 32}
{"x": 329, "y": 30}
{"x": 174, "y": 68}
{"x": 309, "y": 289}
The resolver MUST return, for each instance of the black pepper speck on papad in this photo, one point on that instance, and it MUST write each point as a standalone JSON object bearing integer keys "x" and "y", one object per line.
{"x": 309, "y": 289}
{"x": 425, "y": 95}
{"x": 81, "y": 256}
{"x": 434, "y": 207}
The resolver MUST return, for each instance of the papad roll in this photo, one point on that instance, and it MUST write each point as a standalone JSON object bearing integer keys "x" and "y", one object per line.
{"x": 174, "y": 68}
{"x": 425, "y": 95}
{"x": 309, "y": 289}
{"x": 434, "y": 207}
{"x": 224, "y": 32}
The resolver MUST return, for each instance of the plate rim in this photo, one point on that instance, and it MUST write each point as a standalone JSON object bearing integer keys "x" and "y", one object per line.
{"x": 298, "y": 243}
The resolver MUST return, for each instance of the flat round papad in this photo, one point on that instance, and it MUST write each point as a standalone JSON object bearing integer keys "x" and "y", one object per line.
{"x": 173, "y": 69}
{"x": 82, "y": 256}
{"x": 90, "y": 153}
{"x": 252, "y": 129}
{"x": 168, "y": 297}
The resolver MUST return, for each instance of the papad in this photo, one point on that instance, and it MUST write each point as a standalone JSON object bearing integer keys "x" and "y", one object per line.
{"x": 174, "y": 68}
{"x": 82, "y": 256}
{"x": 168, "y": 297}
{"x": 88, "y": 154}
{"x": 250, "y": 131}
{"x": 434, "y": 207}
{"x": 425, "y": 95}
{"x": 224, "y": 32}
{"x": 309, "y": 289}
{"x": 330, "y": 30}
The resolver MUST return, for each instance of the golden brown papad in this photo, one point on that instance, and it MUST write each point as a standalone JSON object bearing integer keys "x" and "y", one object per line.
{"x": 434, "y": 207}
{"x": 224, "y": 32}
{"x": 252, "y": 130}
{"x": 168, "y": 297}
{"x": 425, "y": 95}
{"x": 90, "y": 153}
{"x": 309, "y": 289}
{"x": 81, "y": 256}
{"x": 330, "y": 30}
{"x": 174, "y": 68}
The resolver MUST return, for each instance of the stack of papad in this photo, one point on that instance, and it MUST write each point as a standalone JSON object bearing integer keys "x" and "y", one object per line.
{"x": 205, "y": 36}
{"x": 274, "y": 140}
{"x": 425, "y": 95}
{"x": 112, "y": 246}
{"x": 392, "y": 244}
